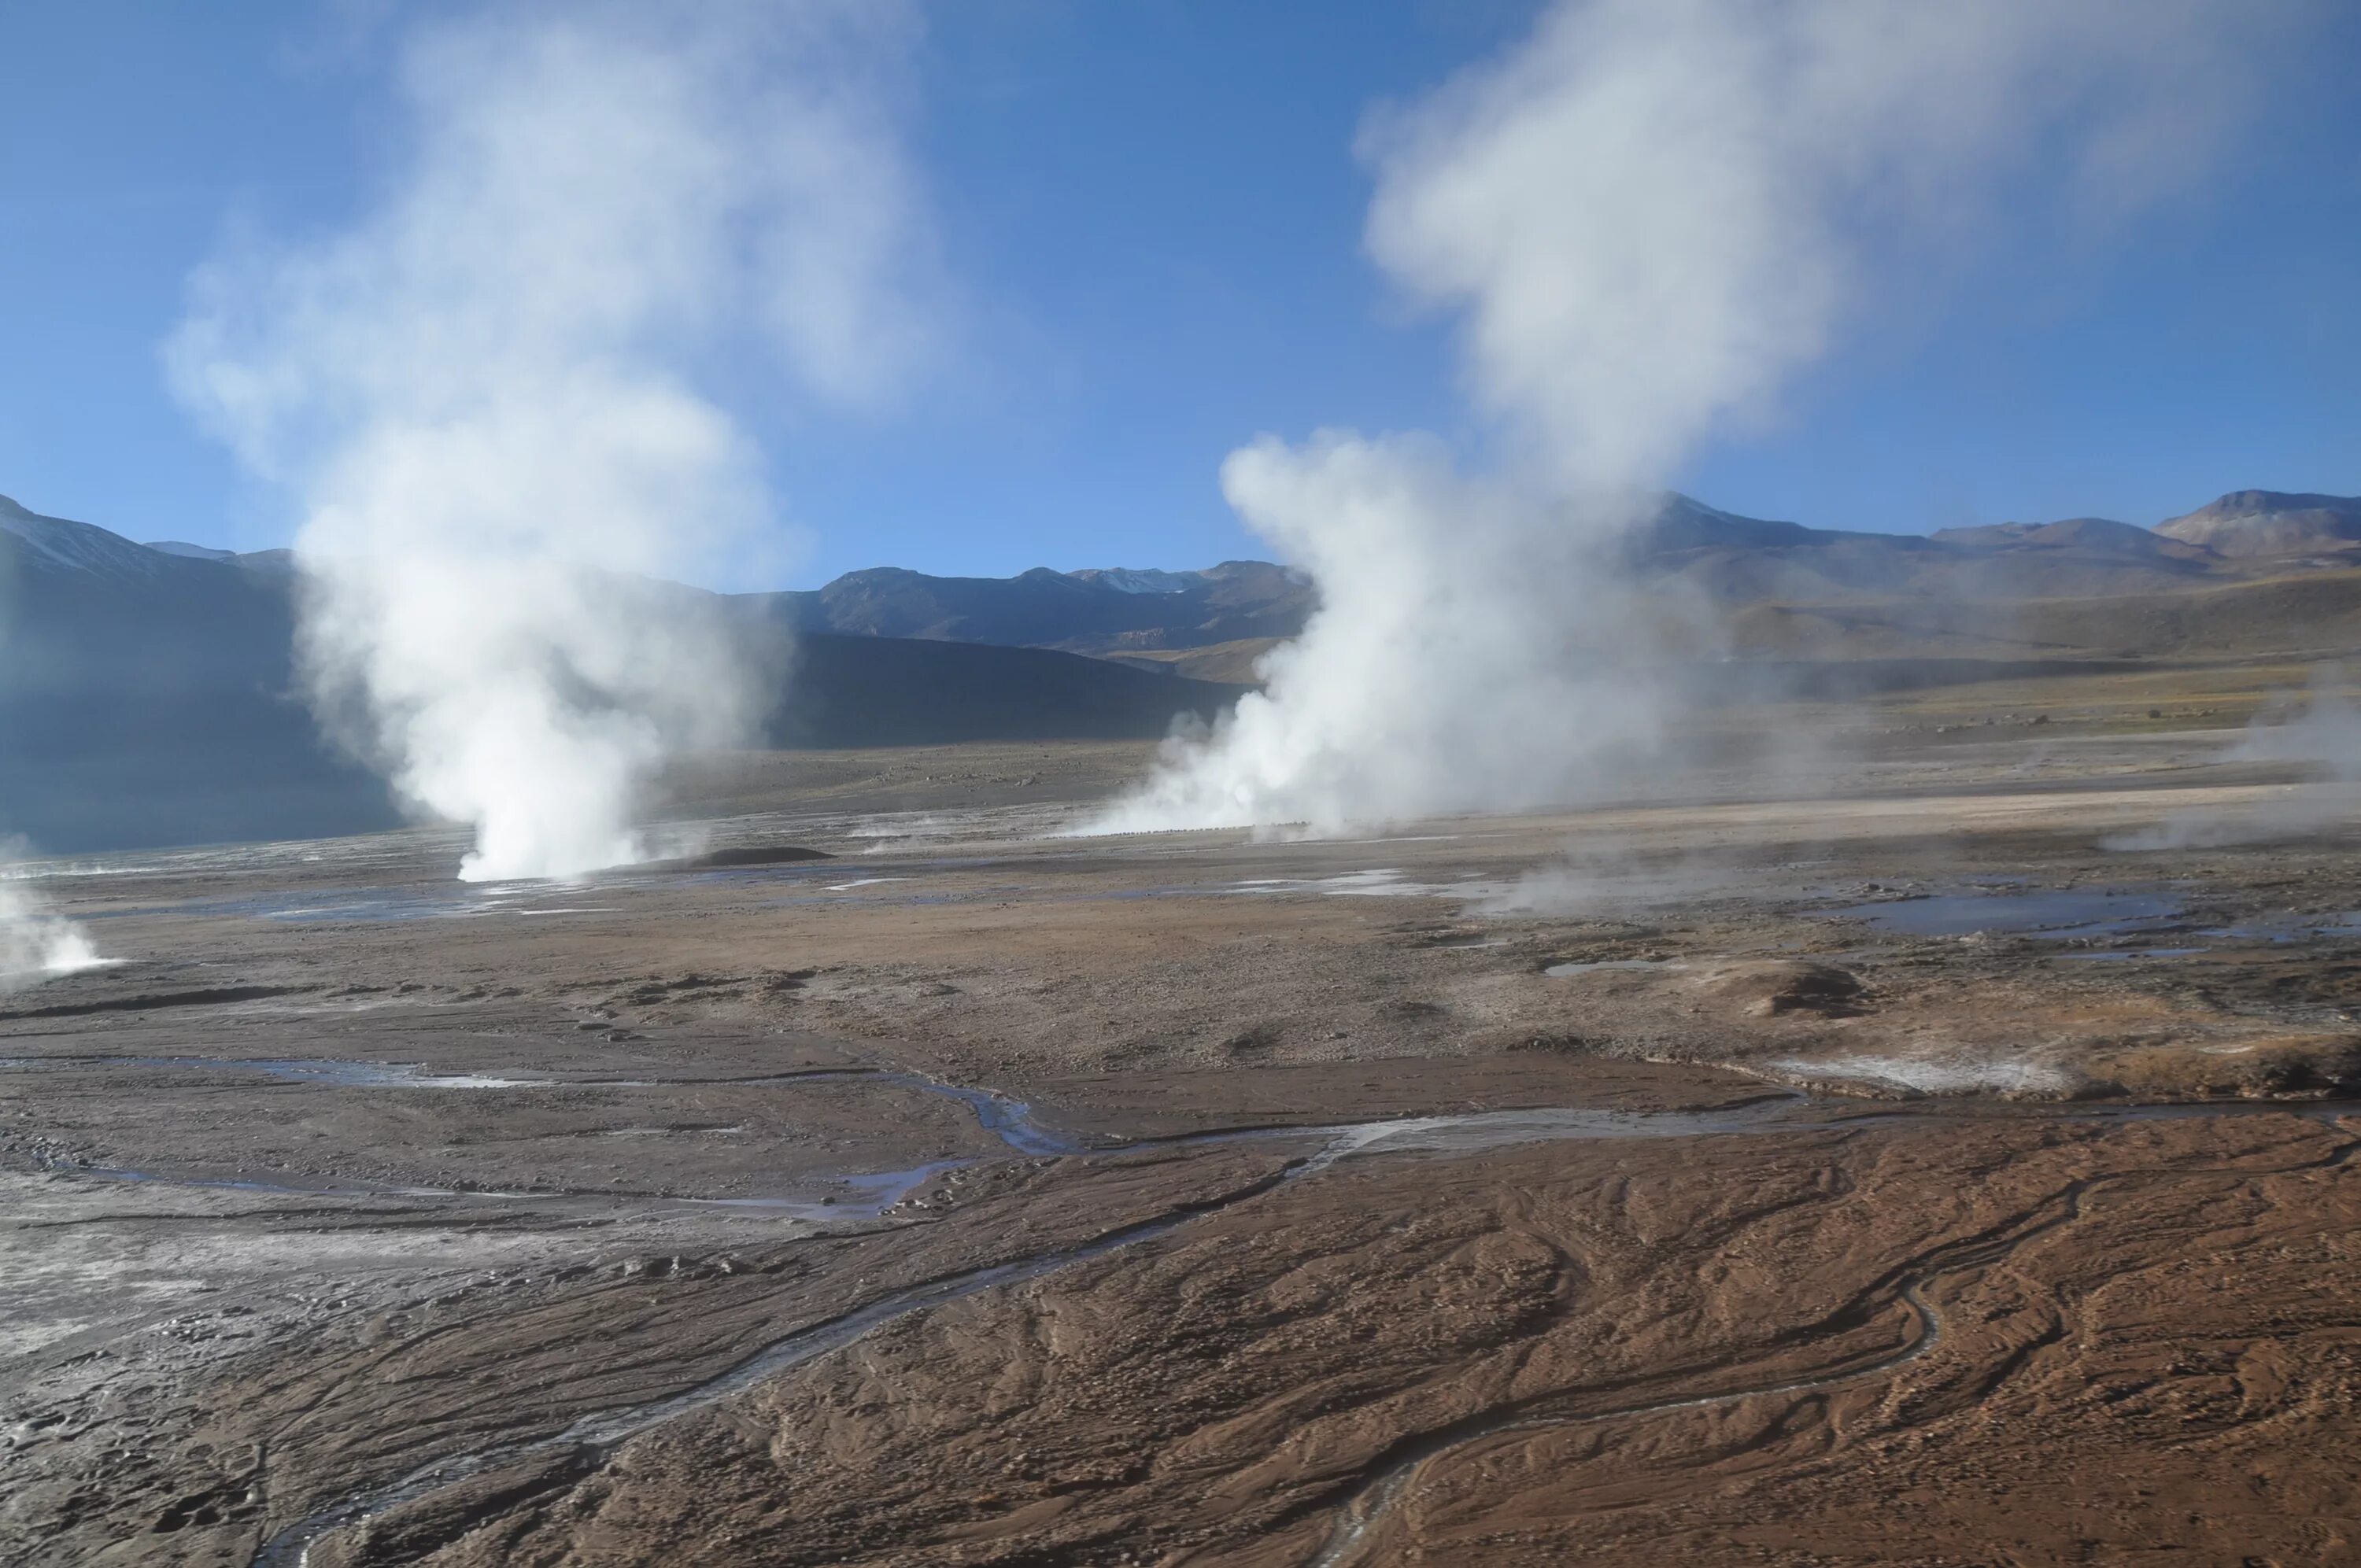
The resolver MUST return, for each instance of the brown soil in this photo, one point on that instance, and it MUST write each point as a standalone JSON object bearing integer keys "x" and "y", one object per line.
{"x": 2127, "y": 1348}
{"x": 972, "y": 1195}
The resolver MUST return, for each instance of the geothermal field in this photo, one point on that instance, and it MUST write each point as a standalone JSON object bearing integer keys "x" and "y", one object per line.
{"x": 969, "y": 783}
{"x": 1936, "y": 1158}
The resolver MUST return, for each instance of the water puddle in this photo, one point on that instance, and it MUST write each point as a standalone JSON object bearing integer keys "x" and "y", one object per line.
{"x": 383, "y": 906}
{"x": 1010, "y": 1120}
{"x": 2123, "y": 955}
{"x": 854, "y": 1199}
{"x": 336, "y": 1074}
{"x": 1955, "y": 1075}
{"x": 273, "y": 1189}
{"x": 1382, "y": 881}
{"x": 2052, "y": 915}
{"x": 866, "y": 1195}
{"x": 1559, "y": 971}
{"x": 2291, "y": 927}
{"x": 1473, "y": 1132}
{"x": 1399, "y": 838}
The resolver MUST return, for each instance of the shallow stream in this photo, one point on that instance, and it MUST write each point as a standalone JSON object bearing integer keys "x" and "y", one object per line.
{"x": 600, "y": 1431}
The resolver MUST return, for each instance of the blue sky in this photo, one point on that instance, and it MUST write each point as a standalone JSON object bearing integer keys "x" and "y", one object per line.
{"x": 1152, "y": 215}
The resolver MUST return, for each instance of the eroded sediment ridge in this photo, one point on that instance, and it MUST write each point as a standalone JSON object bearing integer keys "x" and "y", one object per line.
{"x": 1368, "y": 1498}
{"x": 604, "y": 1429}
{"x": 1391, "y": 1478}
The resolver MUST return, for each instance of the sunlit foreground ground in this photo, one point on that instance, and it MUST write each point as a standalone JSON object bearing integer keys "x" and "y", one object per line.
{"x": 1923, "y": 1144}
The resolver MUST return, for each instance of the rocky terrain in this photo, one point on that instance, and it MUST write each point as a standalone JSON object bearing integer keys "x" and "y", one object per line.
{"x": 1936, "y": 1150}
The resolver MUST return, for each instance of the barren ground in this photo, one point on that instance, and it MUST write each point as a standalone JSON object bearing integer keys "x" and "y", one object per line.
{"x": 1931, "y": 1152}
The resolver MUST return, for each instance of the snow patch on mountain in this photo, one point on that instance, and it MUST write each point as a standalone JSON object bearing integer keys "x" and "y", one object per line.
{"x": 59, "y": 544}
{"x": 1139, "y": 580}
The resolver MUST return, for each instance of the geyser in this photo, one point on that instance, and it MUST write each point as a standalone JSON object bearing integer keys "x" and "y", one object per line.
{"x": 1421, "y": 684}
{"x": 483, "y": 393}
{"x": 1646, "y": 216}
{"x": 2319, "y": 726}
{"x": 36, "y": 943}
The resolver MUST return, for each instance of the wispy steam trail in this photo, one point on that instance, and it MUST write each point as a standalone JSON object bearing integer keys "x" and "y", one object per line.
{"x": 36, "y": 943}
{"x": 1647, "y": 217}
{"x": 2321, "y": 727}
{"x": 485, "y": 392}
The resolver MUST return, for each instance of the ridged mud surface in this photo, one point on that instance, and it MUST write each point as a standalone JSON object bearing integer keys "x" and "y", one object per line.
{"x": 1719, "y": 1180}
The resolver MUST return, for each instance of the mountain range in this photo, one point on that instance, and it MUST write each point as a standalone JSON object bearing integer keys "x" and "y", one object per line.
{"x": 1127, "y": 614}
{"x": 149, "y": 693}
{"x": 1986, "y": 584}
{"x": 146, "y": 690}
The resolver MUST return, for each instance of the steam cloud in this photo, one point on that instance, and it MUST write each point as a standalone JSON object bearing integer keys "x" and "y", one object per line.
{"x": 1647, "y": 217}
{"x": 484, "y": 396}
{"x": 35, "y": 943}
{"x": 2321, "y": 727}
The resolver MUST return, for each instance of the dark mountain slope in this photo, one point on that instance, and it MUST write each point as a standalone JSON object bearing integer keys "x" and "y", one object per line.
{"x": 147, "y": 695}
{"x": 2097, "y": 537}
{"x": 860, "y": 691}
{"x": 1740, "y": 561}
{"x": 1720, "y": 556}
{"x": 1083, "y": 612}
{"x": 1685, "y": 524}
{"x": 2310, "y": 615}
{"x": 144, "y": 691}
{"x": 82, "y": 609}
{"x": 144, "y": 700}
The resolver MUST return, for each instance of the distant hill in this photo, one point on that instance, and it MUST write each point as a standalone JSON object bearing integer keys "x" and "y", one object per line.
{"x": 2247, "y": 525}
{"x": 2085, "y": 536}
{"x": 883, "y": 691}
{"x": 1140, "y": 579}
{"x": 1092, "y": 612}
{"x": 145, "y": 690}
{"x": 1683, "y": 524}
{"x": 144, "y": 699}
{"x": 1215, "y": 621}
{"x": 147, "y": 695}
{"x": 2311, "y": 615}
{"x": 1745, "y": 561}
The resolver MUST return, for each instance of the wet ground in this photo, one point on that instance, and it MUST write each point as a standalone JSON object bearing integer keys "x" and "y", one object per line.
{"x": 1946, "y": 1155}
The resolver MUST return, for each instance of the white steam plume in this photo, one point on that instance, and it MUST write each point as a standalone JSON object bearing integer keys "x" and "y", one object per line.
{"x": 35, "y": 943}
{"x": 2321, "y": 728}
{"x": 1648, "y": 215}
{"x": 483, "y": 393}
{"x": 1443, "y": 668}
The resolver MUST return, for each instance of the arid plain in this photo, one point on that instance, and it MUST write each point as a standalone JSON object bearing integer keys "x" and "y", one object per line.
{"x": 1920, "y": 1146}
